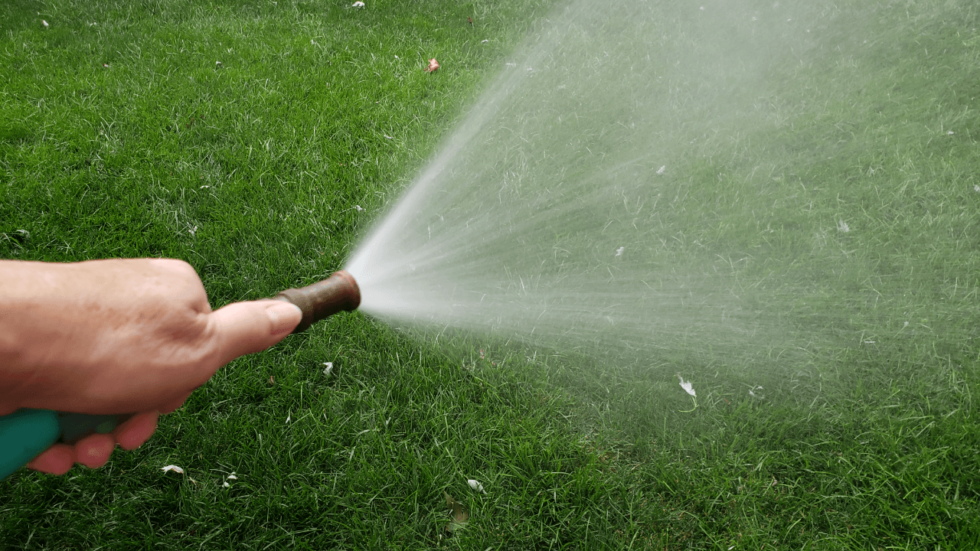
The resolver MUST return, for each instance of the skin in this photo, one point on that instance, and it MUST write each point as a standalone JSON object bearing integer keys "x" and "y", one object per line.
{"x": 118, "y": 336}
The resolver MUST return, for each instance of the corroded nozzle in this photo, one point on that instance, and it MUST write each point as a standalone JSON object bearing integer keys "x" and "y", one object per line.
{"x": 324, "y": 298}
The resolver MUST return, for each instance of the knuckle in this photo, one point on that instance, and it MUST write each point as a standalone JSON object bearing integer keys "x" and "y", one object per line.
{"x": 176, "y": 266}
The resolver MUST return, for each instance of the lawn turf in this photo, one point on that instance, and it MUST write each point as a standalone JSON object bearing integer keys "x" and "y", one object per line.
{"x": 122, "y": 135}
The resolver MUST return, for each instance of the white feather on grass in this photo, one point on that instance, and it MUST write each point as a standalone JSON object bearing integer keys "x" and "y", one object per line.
{"x": 687, "y": 386}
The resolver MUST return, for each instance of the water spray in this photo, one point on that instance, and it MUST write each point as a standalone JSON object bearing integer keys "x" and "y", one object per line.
{"x": 27, "y": 432}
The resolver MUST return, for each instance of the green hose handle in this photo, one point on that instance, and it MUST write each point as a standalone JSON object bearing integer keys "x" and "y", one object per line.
{"x": 25, "y": 433}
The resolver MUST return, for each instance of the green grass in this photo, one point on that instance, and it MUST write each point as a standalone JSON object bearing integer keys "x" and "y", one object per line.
{"x": 256, "y": 171}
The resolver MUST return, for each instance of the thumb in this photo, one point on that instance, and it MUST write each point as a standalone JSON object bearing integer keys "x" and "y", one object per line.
{"x": 246, "y": 327}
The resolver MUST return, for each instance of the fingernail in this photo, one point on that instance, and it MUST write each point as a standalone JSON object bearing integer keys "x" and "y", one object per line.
{"x": 283, "y": 317}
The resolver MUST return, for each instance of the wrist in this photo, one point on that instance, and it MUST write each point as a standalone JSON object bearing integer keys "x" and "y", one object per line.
{"x": 31, "y": 304}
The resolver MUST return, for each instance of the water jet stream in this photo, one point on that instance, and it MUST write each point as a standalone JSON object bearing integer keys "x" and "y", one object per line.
{"x": 555, "y": 212}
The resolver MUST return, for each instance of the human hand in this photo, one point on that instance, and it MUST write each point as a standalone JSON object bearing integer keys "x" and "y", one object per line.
{"x": 118, "y": 336}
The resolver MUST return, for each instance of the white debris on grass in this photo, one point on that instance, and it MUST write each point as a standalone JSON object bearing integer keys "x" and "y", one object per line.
{"x": 476, "y": 486}
{"x": 358, "y": 4}
{"x": 358, "y": 208}
{"x": 619, "y": 251}
{"x": 752, "y": 393}
{"x": 687, "y": 386}
{"x": 842, "y": 226}
{"x": 173, "y": 468}
{"x": 45, "y": 23}
{"x": 226, "y": 485}
{"x": 328, "y": 368}
{"x": 976, "y": 189}
{"x": 232, "y": 476}
{"x": 662, "y": 169}
{"x": 288, "y": 417}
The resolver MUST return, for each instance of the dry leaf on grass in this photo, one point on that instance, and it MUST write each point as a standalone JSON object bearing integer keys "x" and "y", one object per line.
{"x": 433, "y": 65}
{"x": 459, "y": 514}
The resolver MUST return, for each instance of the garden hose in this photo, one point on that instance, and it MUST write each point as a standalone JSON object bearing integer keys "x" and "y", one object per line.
{"x": 27, "y": 432}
